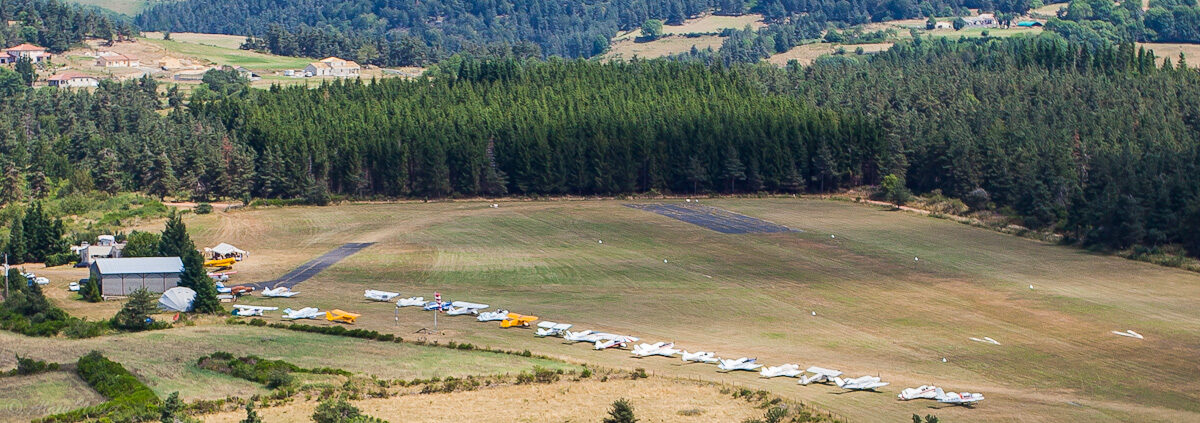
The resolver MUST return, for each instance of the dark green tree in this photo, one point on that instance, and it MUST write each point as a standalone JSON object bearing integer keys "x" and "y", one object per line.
{"x": 141, "y": 244}
{"x": 16, "y": 241}
{"x": 90, "y": 291}
{"x": 135, "y": 314}
{"x": 732, "y": 168}
{"x": 621, "y": 412}
{"x": 251, "y": 415}
{"x": 652, "y": 29}
{"x": 696, "y": 173}
{"x": 24, "y": 67}
{"x": 171, "y": 409}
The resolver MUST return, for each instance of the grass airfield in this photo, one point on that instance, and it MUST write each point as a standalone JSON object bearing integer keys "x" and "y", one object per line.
{"x": 878, "y": 311}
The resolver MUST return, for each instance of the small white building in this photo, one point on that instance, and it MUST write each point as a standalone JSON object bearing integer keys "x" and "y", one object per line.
{"x": 121, "y": 276}
{"x": 333, "y": 66}
{"x": 224, "y": 251}
{"x": 72, "y": 80}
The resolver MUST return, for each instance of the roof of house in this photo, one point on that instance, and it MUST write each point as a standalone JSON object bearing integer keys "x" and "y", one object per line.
{"x": 69, "y": 75}
{"x": 26, "y": 47}
{"x": 134, "y": 265}
{"x": 116, "y": 57}
{"x": 319, "y": 65}
{"x": 338, "y": 62}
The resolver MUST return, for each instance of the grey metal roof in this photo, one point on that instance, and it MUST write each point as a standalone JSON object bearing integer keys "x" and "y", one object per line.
{"x": 123, "y": 266}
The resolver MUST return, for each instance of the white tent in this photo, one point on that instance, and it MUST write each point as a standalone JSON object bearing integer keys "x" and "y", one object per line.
{"x": 177, "y": 299}
{"x": 224, "y": 250}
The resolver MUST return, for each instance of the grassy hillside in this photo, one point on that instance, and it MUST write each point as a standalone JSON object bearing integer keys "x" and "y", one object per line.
{"x": 164, "y": 360}
{"x": 878, "y": 311}
{"x": 125, "y": 7}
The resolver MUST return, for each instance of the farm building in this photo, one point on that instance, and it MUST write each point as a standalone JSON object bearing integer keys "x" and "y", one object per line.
{"x": 984, "y": 20}
{"x": 34, "y": 53}
{"x": 333, "y": 66}
{"x": 115, "y": 60}
{"x": 120, "y": 276}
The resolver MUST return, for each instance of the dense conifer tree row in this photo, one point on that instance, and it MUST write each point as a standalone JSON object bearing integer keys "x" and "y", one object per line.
{"x": 55, "y": 25}
{"x": 559, "y": 127}
{"x": 1099, "y": 142}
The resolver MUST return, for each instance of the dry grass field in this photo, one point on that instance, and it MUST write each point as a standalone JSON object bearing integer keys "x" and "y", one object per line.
{"x": 665, "y": 46}
{"x": 807, "y": 53}
{"x": 1171, "y": 50}
{"x": 165, "y": 360}
{"x": 893, "y": 293}
{"x": 703, "y": 25}
{"x": 27, "y": 397}
{"x": 126, "y": 7}
{"x": 653, "y": 399}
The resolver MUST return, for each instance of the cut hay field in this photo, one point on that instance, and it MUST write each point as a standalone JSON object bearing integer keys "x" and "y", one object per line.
{"x": 165, "y": 360}
{"x": 1172, "y": 50}
{"x": 653, "y": 399}
{"x": 703, "y": 25}
{"x": 24, "y": 398}
{"x": 807, "y": 53}
{"x": 665, "y": 46}
{"x": 878, "y": 311}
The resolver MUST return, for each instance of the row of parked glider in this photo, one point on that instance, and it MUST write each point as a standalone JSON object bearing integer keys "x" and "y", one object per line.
{"x": 605, "y": 340}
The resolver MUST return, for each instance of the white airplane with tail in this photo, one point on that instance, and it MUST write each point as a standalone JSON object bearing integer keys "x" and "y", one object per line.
{"x": 458, "y": 308}
{"x": 658, "y": 348}
{"x": 547, "y": 328}
{"x": 249, "y": 310}
{"x": 374, "y": 295}
{"x": 864, "y": 383}
{"x": 786, "y": 370}
{"x": 699, "y": 357}
{"x": 936, "y": 393}
{"x": 492, "y": 316}
{"x": 304, "y": 313}
{"x": 605, "y": 341}
{"x": 819, "y": 375}
{"x": 410, "y": 302}
{"x": 746, "y": 364}
{"x": 282, "y": 291}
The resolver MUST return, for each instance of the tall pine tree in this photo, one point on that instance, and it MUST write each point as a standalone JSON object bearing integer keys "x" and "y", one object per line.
{"x": 175, "y": 242}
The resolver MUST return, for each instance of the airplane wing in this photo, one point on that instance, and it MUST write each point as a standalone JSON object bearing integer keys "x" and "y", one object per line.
{"x": 464, "y": 304}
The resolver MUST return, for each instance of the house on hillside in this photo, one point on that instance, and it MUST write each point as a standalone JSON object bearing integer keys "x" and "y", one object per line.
{"x": 121, "y": 276}
{"x": 984, "y": 20}
{"x": 107, "y": 247}
{"x": 72, "y": 80}
{"x": 116, "y": 60}
{"x": 943, "y": 25}
{"x": 333, "y": 66}
{"x": 243, "y": 72}
{"x": 34, "y": 53}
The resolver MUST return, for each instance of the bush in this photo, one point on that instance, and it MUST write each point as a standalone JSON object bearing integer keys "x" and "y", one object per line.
{"x": 335, "y": 411}
{"x": 29, "y": 366}
{"x": 128, "y": 398}
{"x": 203, "y": 208}
{"x": 621, "y": 412}
{"x": 279, "y": 377}
{"x": 60, "y": 259}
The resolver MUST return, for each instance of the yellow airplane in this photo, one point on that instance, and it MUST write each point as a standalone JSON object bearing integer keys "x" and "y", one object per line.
{"x": 341, "y": 316}
{"x": 517, "y": 320}
{"x": 220, "y": 263}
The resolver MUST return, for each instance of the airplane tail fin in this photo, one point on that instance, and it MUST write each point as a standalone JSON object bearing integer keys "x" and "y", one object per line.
{"x": 839, "y": 382}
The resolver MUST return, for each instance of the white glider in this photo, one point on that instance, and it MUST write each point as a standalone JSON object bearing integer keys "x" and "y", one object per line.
{"x": 410, "y": 302}
{"x": 578, "y": 336}
{"x": 249, "y": 310}
{"x": 664, "y": 349}
{"x": 547, "y": 328}
{"x": 492, "y": 316}
{"x": 986, "y": 340}
{"x": 746, "y": 364}
{"x": 819, "y": 375}
{"x": 1129, "y": 333}
{"x": 699, "y": 357}
{"x": 864, "y": 383}
{"x": 282, "y": 291}
{"x": 936, "y": 393}
{"x": 304, "y": 313}
{"x": 605, "y": 341}
{"x": 786, "y": 370}
{"x": 458, "y": 308}
{"x": 372, "y": 294}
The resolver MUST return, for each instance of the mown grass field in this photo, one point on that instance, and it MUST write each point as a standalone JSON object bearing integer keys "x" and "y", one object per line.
{"x": 221, "y": 49}
{"x": 28, "y": 397}
{"x": 878, "y": 311}
{"x": 165, "y": 360}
